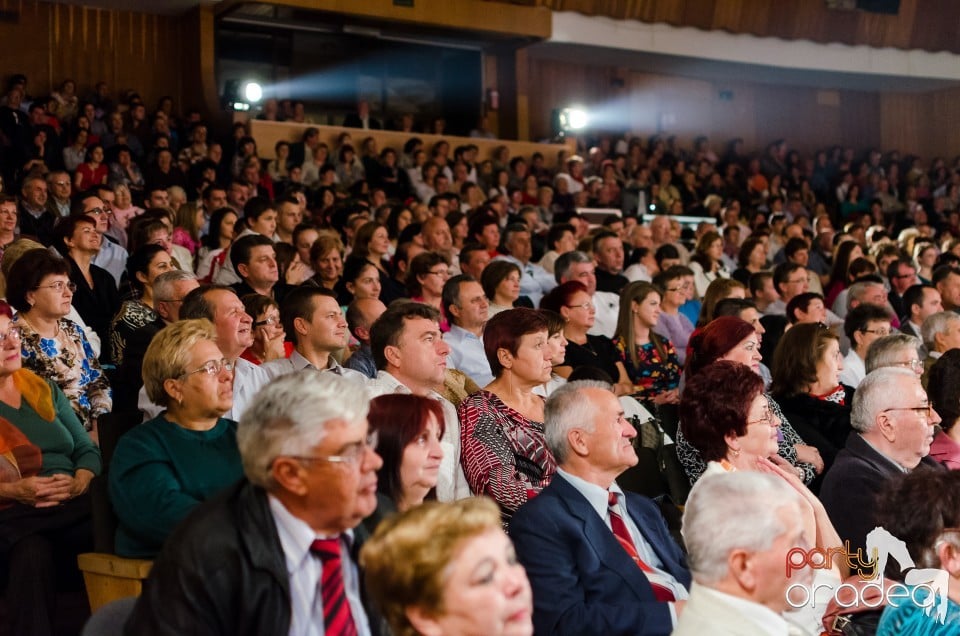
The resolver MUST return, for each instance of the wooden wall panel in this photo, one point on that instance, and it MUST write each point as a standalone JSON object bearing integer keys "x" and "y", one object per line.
{"x": 921, "y": 24}
{"x": 129, "y": 50}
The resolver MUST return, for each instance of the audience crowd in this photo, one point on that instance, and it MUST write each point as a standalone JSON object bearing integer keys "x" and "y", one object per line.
{"x": 425, "y": 379}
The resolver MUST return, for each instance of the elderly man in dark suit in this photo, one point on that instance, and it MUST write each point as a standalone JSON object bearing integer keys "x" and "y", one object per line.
{"x": 276, "y": 554}
{"x": 893, "y": 426}
{"x": 600, "y": 561}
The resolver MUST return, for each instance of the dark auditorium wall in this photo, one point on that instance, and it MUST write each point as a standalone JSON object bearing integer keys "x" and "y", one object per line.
{"x": 687, "y": 107}
{"x": 50, "y": 42}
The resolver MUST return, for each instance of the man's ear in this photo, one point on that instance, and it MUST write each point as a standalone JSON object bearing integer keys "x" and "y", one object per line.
{"x": 243, "y": 270}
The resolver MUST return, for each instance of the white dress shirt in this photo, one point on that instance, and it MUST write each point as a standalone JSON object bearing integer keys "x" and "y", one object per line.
{"x": 534, "y": 280}
{"x": 607, "y": 305}
{"x": 296, "y": 362}
{"x": 467, "y": 355}
{"x": 854, "y": 370}
{"x": 112, "y": 258}
{"x": 304, "y": 571}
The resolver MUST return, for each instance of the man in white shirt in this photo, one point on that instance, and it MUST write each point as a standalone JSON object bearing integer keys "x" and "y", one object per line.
{"x": 739, "y": 528}
{"x": 534, "y": 280}
{"x": 580, "y": 267}
{"x": 919, "y": 303}
{"x": 312, "y": 319}
{"x": 111, "y": 256}
{"x": 863, "y": 326}
{"x": 468, "y": 309}
{"x": 412, "y": 357}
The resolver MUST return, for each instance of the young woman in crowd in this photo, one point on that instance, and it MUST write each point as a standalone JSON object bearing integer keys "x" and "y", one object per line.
{"x": 143, "y": 267}
{"x": 651, "y": 361}
{"x": 501, "y": 284}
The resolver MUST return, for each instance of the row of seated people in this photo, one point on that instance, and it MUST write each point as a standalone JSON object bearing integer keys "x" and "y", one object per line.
{"x": 503, "y": 449}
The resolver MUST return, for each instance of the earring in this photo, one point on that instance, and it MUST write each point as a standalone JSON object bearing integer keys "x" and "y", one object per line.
{"x": 736, "y": 452}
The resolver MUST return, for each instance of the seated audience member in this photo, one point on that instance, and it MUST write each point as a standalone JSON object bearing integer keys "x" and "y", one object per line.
{"x": 946, "y": 280}
{"x": 53, "y": 347}
{"x": 315, "y": 323}
{"x": 763, "y": 292}
{"x": 255, "y": 261}
{"x": 504, "y": 454}
{"x": 259, "y": 217}
{"x": 901, "y": 275}
{"x": 941, "y": 333}
{"x": 557, "y": 345}
{"x": 411, "y": 358}
{"x": 408, "y": 429}
{"x": 269, "y": 338}
{"x": 501, "y": 283}
{"x": 651, "y": 361}
{"x": 943, "y": 387}
{"x": 143, "y": 268}
{"x": 238, "y": 545}
{"x": 163, "y": 468}
{"x": 789, "y": 279}
{"x": 11, "y": 254}
{"x": 671, "y": 324}
{"x": 863, "y": 325}
{"x": 360, "y": 280}
{"x": 730, "y": 522}
{"x": 467, "y": 307}
{"x": 608, "y": 256}
{"x": 578, "y": 266}
{"x": 731, "y": 339}
{"x": 217, "y": 240}
{"x": 751, "y": 258}
{"x": 234, "y": 328}
{"x": 421, "y": 568}
{"x": 473, "y": 259}
{"x": 858, "y": 268}
{"x": 112, "y": 256}
{"x": 428, "y": 273}
{"x": 572, "y": 302}
{"x": 893, "y": 427}
{"x": 560, "y": 240}
{"x": 46, "y": 466}
{"x": 920, "y": 302}
{"x": 95, "y": 295}
{"x": 896, "y": 350}
{"x": 706, "y": 262}
{"x": 806, "y": 308}
{"x": 720, "y": 289}
{"x": 806, "y": 385}
{"x": 932, "y": 544}
{"x": 588, "y": 546}
{"x": 534, "y": 280}
{"x": 361, "y": 314}
{"x": 326, "y": 258}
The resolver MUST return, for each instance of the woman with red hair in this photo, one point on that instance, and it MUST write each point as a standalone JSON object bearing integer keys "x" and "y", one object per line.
{"x": 732, "y": 339}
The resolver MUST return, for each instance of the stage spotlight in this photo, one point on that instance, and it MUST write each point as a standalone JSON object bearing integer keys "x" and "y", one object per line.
{"x": 573, "y": 118}
{"x": 252, "y": 92}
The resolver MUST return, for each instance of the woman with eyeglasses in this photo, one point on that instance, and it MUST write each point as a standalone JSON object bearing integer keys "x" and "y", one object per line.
{"x": 573, "y": 303}
{"x": 425, "y": 279}
{"x": 726, "y": 416}
{"x": 269, "y": 338}
{"x": 47, "y": 461}
{"x": 672, "y": 324}
{"x": 163, "y": 468}
{"x": 53, "y": 347}
{"x": 143, "y": 267}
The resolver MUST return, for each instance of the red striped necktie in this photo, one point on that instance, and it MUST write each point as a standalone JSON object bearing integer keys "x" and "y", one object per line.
{"x": 620, "y": 531}
{"x": 336, "y": 608}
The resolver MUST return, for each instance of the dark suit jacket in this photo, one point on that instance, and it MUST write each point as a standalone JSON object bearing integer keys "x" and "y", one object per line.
{"x": 851, "y": 486}
{"x": 583, "y": 580}
{"x": 353, "y": 121}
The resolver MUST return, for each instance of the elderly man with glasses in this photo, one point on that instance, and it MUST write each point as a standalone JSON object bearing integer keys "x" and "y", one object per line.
{"x": 275, "y": 554}
{"x": 893, "y": 426}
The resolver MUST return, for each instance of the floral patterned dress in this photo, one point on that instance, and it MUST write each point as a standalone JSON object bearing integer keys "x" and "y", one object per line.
{"x": 653, "y": 374}
{"x": 68, "y": 360}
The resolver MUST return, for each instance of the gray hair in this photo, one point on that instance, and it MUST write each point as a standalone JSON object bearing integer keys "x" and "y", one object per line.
{"x": 874, "y": 394}
{"x": 731, "y": 511}
{"x": 562, "y": 265}
{"x": 565, "y": 410}
{"x": 289, "y": 417}
{"x": 934, "y": 325}
{"x": 883, "y": 352}
{"x": 164, "y": 283}
{"x": 857, "y": 291}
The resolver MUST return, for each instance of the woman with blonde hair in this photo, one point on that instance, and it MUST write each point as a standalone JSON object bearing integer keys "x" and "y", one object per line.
{"x": 448, "y": 568}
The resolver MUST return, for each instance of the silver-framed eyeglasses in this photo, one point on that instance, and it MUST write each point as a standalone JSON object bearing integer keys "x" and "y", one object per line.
{"x": 59, "y": 286}
{"x": 351, "y": 455}
{"x": 213, "y": 367}
{"x": 13, "y": 334}
{"x": 914, "y": 364}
